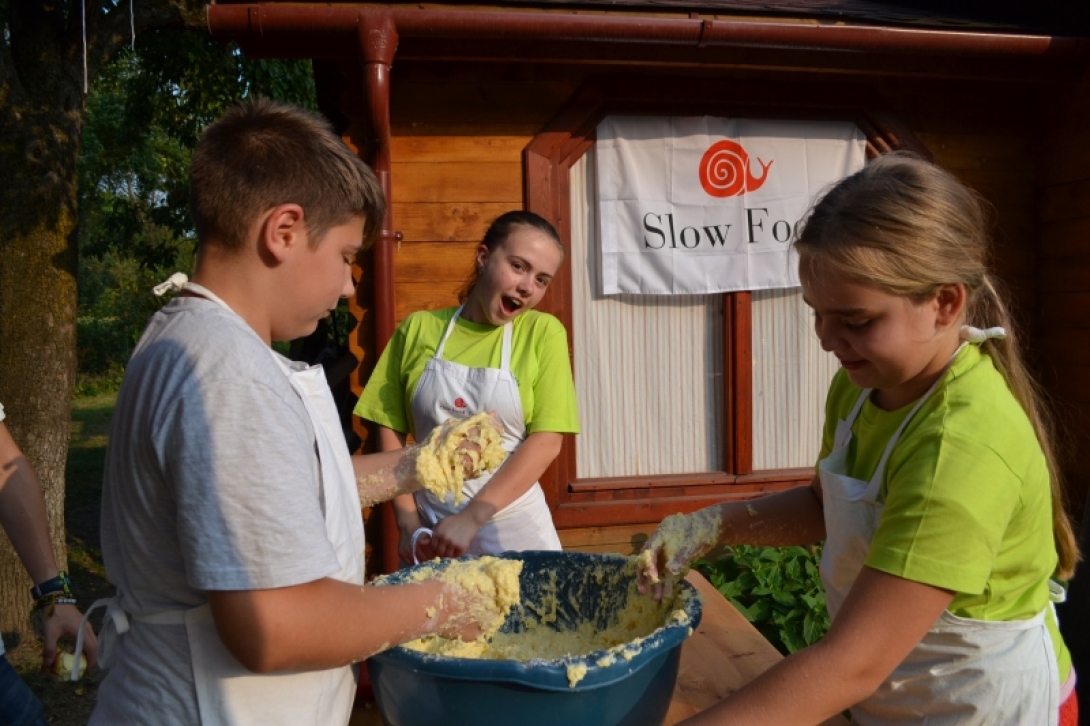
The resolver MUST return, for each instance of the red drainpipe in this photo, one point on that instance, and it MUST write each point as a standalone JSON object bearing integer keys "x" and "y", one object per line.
{"x": 377, "y": 39}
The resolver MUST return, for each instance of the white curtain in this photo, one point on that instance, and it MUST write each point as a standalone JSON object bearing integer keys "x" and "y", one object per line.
{"x": 648, "y": 369}
{"x": 791, "y": 375}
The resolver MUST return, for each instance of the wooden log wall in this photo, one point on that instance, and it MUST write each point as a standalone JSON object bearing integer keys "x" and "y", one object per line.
{"x": 1063, "y": 278}
{"x": 457, "y": 165}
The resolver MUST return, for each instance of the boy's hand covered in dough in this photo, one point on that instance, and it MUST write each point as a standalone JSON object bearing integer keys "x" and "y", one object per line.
{"x": 479, "y": 594}
{"x": 679, "y": 540}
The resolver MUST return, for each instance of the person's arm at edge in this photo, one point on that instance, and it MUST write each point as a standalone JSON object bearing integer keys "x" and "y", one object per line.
{"x": 519, "y": 472}
{"x": 782, "y": 519}
{"x": 847, "y": 665}
{"x": 23, "y": 517}
{"x": 791, "y": 517}
{"x": 326, "y": 623}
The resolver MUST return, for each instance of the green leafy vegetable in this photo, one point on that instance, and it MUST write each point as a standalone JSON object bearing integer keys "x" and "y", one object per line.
{"x": 778, "y": 589}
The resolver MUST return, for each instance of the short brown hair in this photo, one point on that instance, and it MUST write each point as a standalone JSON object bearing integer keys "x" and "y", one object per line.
{"x": 262, "y": 153}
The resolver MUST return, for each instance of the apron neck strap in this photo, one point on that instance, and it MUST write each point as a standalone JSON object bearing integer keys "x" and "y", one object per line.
{"x": 505, "y": 353}
{"x": 206, "y": 293}
{"x": 844, "y": 433}
{"x": 880, "y": 471}
{"x": 179, "y": 282}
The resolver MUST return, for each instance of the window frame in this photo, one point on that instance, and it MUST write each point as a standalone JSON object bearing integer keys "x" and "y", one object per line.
{"x": 547, "y": 190}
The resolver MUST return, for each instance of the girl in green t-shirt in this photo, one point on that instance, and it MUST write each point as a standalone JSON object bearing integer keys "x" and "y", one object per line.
{"x": 937, "y": 491}
{"x": 493, "y": 353}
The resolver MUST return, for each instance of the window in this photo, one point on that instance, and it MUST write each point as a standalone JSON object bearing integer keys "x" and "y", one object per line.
{"x": 684, "y": 401}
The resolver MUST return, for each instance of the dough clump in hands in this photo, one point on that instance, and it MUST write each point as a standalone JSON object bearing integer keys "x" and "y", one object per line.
{"x": 492, "y": 582}
{"x": 680, "y": 539}
{"x": 440, "y": 464}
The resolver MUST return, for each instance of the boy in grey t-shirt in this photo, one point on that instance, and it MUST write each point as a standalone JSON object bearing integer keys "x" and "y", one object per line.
{"x": 231, "y": 508}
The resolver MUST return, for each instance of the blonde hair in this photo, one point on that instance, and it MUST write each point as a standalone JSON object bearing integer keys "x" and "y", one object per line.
{"x": 907, "y": 227}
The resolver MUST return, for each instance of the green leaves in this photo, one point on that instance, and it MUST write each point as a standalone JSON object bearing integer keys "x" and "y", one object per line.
{"x": 145, "y": 111}
{"x": 778, "y": 589}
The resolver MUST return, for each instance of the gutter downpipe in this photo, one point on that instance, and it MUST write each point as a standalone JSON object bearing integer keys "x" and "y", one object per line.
{"x": 377, "y": 37}
{"x": 269, "y": 23}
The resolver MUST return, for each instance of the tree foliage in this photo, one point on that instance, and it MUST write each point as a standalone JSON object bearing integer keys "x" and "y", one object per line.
{"x": 145, "y": 112}
{"x": 49, "y": 50}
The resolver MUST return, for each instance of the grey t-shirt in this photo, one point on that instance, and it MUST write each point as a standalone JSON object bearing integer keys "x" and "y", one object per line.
{"x": 211, "y": 483}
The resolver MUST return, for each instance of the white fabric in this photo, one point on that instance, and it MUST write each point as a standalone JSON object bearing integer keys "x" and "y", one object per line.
{"x": 977, "y": 335}
{"x": 697, "y": 205}
{"x": 174, "y": 283}
{"x": 964, "y": 672}
{"x": 526, "y": 523}
{"x": 420, "y": 532}
{"x": 212, "y": 469}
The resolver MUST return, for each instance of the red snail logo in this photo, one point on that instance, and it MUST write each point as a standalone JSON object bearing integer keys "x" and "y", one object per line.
{"x": 724, "y": 170}
{"x": 459, "y": 403}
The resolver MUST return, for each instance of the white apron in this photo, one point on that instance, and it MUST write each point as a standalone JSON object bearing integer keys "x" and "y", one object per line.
{"x": 227, "y": 693}
{"x": 451, "y": 390}
{"x": 964, "y": 671}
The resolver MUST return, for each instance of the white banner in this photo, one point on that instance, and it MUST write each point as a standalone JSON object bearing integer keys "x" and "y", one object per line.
{"x": 705, "y": 205}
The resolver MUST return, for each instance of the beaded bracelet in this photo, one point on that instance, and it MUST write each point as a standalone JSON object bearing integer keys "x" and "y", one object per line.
{"x": 51, "y": 601}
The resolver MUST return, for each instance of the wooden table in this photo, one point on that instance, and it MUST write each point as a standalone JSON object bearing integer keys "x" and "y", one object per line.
{"x": 723, "y": 654}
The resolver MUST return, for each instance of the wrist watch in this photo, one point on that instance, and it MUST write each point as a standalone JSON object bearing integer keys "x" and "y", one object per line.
{"x": 60, "y": 583}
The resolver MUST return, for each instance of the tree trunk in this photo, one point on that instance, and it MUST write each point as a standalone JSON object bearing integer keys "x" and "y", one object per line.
{"x": 39, "y": 143}
{"x": 49, "y": 51}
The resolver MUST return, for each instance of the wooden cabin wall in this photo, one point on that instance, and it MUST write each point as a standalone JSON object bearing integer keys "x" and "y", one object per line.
{"x": 1063, "y": 278}
{"x": 457, "y": 165}
{"x": 983, "y": 134}
{"x": 459, "y": 131}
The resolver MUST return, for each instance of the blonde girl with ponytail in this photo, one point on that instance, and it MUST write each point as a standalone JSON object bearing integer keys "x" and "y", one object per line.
{"x": 937, "y": 490}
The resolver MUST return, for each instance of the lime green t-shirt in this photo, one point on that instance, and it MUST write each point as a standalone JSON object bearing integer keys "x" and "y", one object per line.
{"x": 539, "y": 362}
{"x": 968, "y": 505}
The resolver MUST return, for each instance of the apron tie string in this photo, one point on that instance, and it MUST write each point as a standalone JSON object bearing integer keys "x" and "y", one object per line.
{"x": 174, "y": 283}
{"x": 114, "y": 615}
{"x": 976, "y": 336}
{"x": 416, "y": 538}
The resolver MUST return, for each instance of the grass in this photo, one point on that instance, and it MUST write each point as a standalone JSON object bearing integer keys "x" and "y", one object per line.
{"x": 70, "y": 704}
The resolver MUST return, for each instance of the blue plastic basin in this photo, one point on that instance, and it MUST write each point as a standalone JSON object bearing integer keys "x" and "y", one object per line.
{"x": 420, "y": 689}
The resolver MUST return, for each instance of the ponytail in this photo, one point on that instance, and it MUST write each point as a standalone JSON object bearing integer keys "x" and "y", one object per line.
{"x": 907, "y": 227}
{"x": 986, "y": 308}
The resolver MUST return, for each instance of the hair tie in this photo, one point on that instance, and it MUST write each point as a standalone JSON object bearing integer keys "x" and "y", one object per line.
{"x": 976, "y": 336}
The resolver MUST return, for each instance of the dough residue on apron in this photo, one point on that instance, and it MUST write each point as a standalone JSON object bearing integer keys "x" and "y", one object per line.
{"x": 550, "y": 630}
{"x": 439, "y": 466}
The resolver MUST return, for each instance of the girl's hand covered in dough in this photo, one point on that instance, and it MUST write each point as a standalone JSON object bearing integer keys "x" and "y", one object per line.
{"x": 679, "y": 540}
{"x": 451, "y": 537}
{"x": 456, "y": 451}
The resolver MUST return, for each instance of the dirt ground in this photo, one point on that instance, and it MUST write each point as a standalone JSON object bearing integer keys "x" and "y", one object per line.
{"x": 70, "y": 704}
